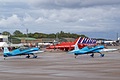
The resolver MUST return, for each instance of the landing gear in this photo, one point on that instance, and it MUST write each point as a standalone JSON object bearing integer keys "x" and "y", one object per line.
{"x": 92, "y": 55}
{"x": 76, "y": 55}
{"x": 102, "y": 55}
{"x": 34, "y": 56}
{"x": 28, "y": 56}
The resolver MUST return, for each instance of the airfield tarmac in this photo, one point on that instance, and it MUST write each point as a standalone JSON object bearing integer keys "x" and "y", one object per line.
{"x": 58, "y": 65}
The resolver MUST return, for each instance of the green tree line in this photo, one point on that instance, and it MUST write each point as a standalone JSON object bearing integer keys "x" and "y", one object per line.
{"x": 37, "y": 35}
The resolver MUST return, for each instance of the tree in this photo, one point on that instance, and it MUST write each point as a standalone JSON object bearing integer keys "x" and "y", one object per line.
{"x": 17, "y": 33}
{"x": 36, "y": 35}
{"x": 51, "y": 35}
{"x": 30, "y": 34}
{"x": 6, "y": 33}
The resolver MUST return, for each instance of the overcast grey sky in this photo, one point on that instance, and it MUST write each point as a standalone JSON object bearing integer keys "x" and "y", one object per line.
{"x": 95, "y": 18}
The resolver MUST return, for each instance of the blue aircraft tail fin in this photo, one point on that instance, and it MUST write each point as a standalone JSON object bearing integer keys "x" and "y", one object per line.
{"x": 76, "y": 44}
{"x": 76, "y": 47}
{"x": 6, "y": 50}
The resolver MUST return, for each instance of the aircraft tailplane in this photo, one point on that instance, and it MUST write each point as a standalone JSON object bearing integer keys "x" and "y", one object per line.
{"x": 6, "y": 50}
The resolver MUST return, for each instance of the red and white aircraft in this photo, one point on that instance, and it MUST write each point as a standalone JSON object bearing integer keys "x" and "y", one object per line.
{"x": 68, "y": 46}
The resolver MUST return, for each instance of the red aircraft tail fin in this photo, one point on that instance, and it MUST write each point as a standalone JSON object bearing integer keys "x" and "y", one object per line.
{"x": 79, "y": 40}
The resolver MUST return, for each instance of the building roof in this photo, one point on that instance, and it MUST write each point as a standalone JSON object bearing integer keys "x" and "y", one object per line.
{"x": 25, "y": 38}
{"x": 3, "y": 36}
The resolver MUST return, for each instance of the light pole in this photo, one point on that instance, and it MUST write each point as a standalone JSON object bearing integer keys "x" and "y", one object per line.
{"x": 26, "y": 35}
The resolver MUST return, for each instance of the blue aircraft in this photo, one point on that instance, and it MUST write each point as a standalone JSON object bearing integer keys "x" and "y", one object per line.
{"x": 22, "y": 51}
{"x": 90, "y": 50}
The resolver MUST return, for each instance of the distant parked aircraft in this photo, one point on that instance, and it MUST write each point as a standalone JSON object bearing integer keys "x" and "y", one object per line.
{"x": 67, "y": 46}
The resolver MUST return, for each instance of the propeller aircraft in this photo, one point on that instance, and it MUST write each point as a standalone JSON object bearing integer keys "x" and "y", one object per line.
{"x": 22, "y": 51}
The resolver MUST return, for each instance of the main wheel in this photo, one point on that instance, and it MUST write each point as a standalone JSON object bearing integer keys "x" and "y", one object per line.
{"x": 34, "y": 56}
{"x": 27, "y": 56}
{"x": 102, "y": 55}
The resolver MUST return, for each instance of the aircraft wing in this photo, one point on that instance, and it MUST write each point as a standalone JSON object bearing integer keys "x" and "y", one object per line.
{"x": 78, "y": 51}
{"x": 108, "y": 50}
{"x": 35, "y": 52}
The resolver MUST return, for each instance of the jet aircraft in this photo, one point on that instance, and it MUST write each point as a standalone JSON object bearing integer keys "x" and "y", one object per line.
{"x": 90, "y": 50}
{"x": 68, "y": 46}
{"x": 21, "y": 51}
